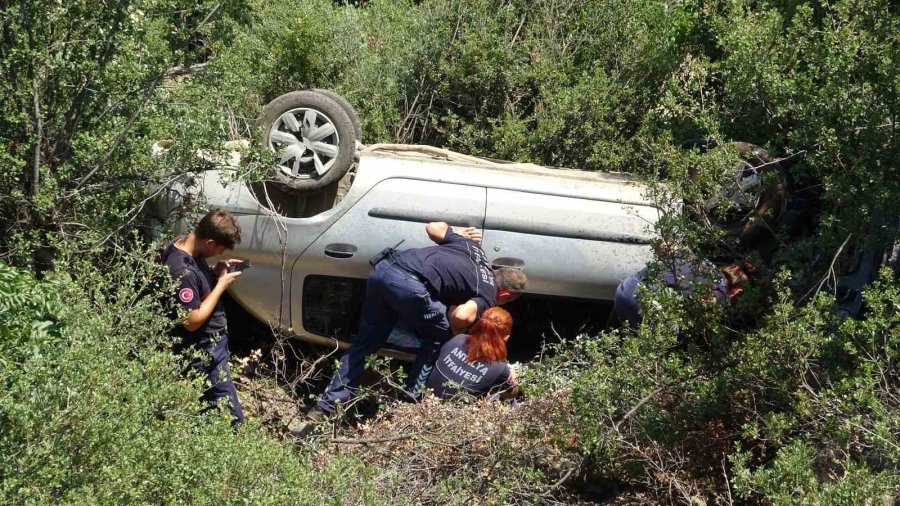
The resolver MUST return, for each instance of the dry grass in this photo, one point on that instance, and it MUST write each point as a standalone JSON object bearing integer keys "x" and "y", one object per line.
{"x": 437, "y": 451}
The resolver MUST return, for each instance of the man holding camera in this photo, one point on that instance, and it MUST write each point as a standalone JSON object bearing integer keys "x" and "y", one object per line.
{"x": 200, "y": 290}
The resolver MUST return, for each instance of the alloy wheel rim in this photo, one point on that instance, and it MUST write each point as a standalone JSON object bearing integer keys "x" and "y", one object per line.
{"x": 307, "y": 141}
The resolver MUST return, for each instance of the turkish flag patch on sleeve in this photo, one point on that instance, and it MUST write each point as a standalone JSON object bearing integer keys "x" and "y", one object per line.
{"x": 185, "y": 295}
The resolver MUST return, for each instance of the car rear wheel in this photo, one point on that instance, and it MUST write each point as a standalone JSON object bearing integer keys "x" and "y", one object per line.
{"x": 314, "y": 138}
{"x": 348, "y": 108}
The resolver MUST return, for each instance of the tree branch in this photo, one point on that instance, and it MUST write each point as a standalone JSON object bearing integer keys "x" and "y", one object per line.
{"x": 137, "y": 112}
{"x": 814, "y": 290}
{"x": 181, "y": 70}
{"x": 351, "y": 441}
{"x": 38, "y": 127}
{"x": 388, "y": 439}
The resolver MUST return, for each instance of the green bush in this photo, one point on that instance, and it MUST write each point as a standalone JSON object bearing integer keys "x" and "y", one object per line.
{"x": 540, "y": 81}
{"x": 803, "y": 407}
{"x": 93, "y": 408}
{"x": 791, "y": 478}
{"x": 787, "y": 404}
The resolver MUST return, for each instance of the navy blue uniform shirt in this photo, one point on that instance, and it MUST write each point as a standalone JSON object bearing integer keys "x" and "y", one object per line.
{"x": 680, "y": 276}
{"x": 455, "y": 271}
{"x": 453, "y": 371}
{"x": 195, "y": 281}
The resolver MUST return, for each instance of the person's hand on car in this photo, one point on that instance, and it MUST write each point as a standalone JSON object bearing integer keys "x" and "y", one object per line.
{"x": 471, "y": 233}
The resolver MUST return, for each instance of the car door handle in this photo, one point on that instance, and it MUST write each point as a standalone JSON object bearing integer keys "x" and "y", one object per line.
{"x": 515, "y": 263}
{"x": 340, "y": 250}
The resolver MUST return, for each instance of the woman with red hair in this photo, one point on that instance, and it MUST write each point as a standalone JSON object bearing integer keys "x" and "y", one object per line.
{"x": 476, "y": 362}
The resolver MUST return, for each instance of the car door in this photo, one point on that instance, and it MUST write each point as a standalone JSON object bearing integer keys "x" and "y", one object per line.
{"x": 569, "y": 246}
{"x": 328, "y": 280}
{"x": 271, "y": 243}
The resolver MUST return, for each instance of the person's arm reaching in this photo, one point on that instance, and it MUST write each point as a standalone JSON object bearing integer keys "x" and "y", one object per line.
{"x": 463, "y": 317}
{"x": 197, "y": 317}
{"x": 513, "y": 391}
{"x": 509, "y": 384}
{"x": 437, "y": 232}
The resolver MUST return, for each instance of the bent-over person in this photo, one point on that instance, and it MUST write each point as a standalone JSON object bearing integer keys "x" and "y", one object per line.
{"x": 682, "y": 275}
{"x": 415, "y": 287}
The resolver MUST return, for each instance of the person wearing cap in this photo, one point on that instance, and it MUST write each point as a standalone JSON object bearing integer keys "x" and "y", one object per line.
{"x": 475, "y": 362}
{"x": 199, "y": 292}
{"x": 681, "y": 273}
{"x": 415, "y": 287}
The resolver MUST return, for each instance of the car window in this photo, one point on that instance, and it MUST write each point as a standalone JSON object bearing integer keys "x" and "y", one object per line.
{"x": 332, "y": 305}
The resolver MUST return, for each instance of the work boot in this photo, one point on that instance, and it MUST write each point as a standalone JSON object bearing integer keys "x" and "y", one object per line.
{"x": 314, "y": 417}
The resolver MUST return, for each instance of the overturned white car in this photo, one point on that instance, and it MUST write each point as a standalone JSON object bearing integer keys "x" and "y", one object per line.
{"x": 332, "y": 204}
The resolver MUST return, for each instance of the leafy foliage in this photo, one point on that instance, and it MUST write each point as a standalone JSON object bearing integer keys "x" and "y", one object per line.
{"x": 80, "y": 95}
{"x": 776, "y": 399}
{"x": 93, "y": 408}
{"x": 805, "y": 406}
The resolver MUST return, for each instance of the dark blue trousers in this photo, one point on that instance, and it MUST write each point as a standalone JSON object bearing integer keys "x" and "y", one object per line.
{"x": 392, "y": 295}
{"x": 213, "y": 364}
{"x": 625, "y": 305}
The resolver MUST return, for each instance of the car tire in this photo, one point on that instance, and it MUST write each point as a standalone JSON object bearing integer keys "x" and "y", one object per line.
{"x": 348, "y": 108}
{"x": 315, "y": 137}
{"x": 751, "y": 218}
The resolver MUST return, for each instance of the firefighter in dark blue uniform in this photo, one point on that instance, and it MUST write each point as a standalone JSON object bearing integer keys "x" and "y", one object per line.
{"x": 682, "y": 273}
{"x": 200, "y": 290}
{"x": 475, "y": 362}
{"x": 415, "y": 287}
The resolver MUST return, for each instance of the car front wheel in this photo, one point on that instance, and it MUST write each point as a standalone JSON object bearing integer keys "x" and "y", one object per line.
{"x": 751, "y": 203}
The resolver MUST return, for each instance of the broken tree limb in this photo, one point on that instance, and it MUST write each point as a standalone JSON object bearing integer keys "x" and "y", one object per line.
{"x": 637, "y": 406}
{"x": 180, "y": 70}
{"x": 352, "y": 441}
{"x": 814, "y": 290}
{"x": 38, "y": 127}
{"x": 656, "y": 391}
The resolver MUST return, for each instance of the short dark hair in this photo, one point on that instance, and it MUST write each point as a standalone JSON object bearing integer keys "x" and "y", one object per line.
{"x": 511, "y": 279}
{"x": 220, "y": 226}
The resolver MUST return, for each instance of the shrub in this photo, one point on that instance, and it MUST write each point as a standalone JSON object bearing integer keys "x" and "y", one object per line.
{"x": 93, "y": 407}
{"x": 439, "y": 452}
{"x": 775, "y": 399}
{"x": 801, "y": 408}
